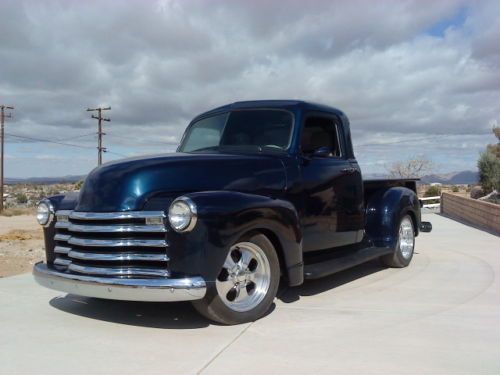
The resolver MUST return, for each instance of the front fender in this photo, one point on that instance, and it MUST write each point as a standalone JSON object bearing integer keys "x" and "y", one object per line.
{"x": 384, "y": 211}
{"x": 223, "y": 218}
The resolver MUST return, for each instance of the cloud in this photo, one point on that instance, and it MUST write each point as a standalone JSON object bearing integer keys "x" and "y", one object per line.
{"x": 398, "y": 69}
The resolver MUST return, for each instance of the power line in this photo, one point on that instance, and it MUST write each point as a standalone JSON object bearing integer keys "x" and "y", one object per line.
{"x": 100, "y": 133}
{"x": 47, "y": 141}
{"x": 3, "y": 116}
{"x": 163, "y": 143}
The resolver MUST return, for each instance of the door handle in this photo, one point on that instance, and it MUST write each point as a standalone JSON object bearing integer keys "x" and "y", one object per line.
{"x": 349, "y": 170}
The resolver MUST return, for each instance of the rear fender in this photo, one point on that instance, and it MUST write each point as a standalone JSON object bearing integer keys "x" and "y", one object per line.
{"x": 384, "y": 211}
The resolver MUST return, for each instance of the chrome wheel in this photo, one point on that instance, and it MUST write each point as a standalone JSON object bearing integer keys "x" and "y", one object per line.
{"x": 406, "y": 237}
{"x": 245, "y": 277}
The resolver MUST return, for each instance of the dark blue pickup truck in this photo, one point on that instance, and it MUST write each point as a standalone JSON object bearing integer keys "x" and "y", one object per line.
{"x": 258, "y": 193}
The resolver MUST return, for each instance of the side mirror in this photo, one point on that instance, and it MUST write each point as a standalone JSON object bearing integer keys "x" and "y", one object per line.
{"x": 322, "y": 152}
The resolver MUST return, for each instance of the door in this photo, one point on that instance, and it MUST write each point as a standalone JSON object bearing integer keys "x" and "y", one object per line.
{"x": 332, "y": 186}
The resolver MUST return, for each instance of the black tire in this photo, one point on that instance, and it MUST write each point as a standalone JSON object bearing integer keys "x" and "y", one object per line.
{"x": 400, "y": 258}
{"x": 214, "y": 308}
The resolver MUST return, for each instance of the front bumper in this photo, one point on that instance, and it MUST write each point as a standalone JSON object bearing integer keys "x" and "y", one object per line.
{"x": 151, "y": 290}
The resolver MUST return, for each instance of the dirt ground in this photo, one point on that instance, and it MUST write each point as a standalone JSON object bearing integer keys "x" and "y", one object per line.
{"x": 21, "y": 244}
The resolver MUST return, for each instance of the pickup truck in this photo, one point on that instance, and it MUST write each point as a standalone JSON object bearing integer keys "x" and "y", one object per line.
{"x": 258, "y": 193}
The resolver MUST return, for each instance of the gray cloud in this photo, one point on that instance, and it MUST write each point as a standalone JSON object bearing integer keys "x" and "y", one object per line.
{"x": 159, "y": 63}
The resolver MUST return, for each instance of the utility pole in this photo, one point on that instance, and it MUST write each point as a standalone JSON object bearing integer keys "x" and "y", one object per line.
{"x": 3, "y": 116}
{"x": 100, "y": 133}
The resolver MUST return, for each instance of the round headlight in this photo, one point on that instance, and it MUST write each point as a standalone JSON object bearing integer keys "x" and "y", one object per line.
{"x": 44, "y": 213}
{"x": 182, "y": 214}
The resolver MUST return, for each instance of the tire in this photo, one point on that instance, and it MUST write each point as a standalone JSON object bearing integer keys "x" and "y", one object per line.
{"x": 405, "y": 246}
{"x": 247, "y": 284}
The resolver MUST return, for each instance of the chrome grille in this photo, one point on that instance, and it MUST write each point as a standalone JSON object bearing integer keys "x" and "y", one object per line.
{"x": 113, "y": 244}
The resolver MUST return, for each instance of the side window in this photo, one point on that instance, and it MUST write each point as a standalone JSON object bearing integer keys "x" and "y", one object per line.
{"x": 321, "y": 132}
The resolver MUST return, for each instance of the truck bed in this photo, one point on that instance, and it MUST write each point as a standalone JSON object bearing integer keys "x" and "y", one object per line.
{"x": 370, "y": 186}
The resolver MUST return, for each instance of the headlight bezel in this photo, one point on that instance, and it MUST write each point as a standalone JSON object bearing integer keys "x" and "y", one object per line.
{"x": 50, "y": 213}
{"x": 193, "y": 214}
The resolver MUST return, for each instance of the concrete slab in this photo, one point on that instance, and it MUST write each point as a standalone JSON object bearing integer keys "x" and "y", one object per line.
{"x": 441, "y": 315}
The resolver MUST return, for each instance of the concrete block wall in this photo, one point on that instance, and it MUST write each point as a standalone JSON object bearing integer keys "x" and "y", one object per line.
{"x": 479, "y": 213}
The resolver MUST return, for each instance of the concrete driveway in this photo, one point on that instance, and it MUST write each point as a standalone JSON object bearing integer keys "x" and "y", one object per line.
{"x": 441, "y": 315}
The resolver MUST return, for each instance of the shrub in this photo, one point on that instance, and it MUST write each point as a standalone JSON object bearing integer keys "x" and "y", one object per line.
{"x": 432, "y": 191}
{"x": 476, "y": 192}
{"x": 21, "y": 198}
{"x": 455, "y": 189}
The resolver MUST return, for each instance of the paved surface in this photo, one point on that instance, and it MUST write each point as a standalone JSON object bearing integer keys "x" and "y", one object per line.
{"x": 441, "y": 315}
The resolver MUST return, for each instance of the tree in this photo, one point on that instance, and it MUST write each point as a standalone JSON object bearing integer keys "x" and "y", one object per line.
{"x": 489, "y": 171}
{"x": 489, "y": 165}
{"x": 414, "y": 167}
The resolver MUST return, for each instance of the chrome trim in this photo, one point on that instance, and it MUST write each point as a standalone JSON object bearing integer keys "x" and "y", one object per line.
{"x": 75, "y": 254}
{"x": 194, "y": 214}
{"x": 63, "y": 212}
{"x": 118, "y": 271}
{"x": 62, "y": 262}
{"x": 150, "y": 290}
{"x": 62, "y": 237}
{"x": 117, "y": 228}
{"x": 115, "y": 215}
{"x": 116, "y": 242}
{"x": 62, "y": 249}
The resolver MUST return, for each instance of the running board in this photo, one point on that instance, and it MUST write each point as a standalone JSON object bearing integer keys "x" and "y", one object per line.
{"x": 328, "y": 267}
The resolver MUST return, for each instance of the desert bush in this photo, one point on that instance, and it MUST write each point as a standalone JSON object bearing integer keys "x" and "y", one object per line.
{"x": 477, "y": 192}
{"x": 21, "y": 198}
{"x": 432, "y": 191}
{"x": 455, "y": 189}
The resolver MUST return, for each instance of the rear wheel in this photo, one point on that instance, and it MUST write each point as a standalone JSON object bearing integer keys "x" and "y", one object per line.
{"x": 405, "y": 246}
{"x": 246, "y": 285}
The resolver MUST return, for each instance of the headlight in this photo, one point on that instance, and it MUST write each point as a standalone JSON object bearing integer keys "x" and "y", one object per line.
{"x": 182, "y": 214}
{"x": 44, "y": 213}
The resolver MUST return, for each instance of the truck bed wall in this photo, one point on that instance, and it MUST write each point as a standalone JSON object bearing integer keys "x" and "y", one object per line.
{"x": 371, "y": 186}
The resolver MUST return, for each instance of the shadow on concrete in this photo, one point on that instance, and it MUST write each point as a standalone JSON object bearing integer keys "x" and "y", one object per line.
{"x": 178, "y": 315}
{"x": 173, "y": 315}
{"x": 314, "y": 287}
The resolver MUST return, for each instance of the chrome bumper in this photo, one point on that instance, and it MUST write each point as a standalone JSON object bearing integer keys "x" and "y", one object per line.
{"x": 151, "y": 290}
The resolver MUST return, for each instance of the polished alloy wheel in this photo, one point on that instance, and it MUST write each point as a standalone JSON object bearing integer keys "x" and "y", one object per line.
{"x": 245, "y": 277}
{"x": 406, "y": 237}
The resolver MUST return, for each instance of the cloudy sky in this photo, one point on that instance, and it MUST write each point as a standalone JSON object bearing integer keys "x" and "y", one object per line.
{"x": 414, "y": 77}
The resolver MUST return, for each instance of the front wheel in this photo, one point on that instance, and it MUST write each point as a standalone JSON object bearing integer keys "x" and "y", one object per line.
{"x": 403, "y": 252}
{"x": 246, "y": 285}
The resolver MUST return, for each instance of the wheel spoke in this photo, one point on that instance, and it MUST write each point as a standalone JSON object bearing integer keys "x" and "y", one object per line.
{"x": 246, "y": 258}
{"x": 224, "y": 287}
{"x": 242, "y": 294}
{"x": 229, "y": 264}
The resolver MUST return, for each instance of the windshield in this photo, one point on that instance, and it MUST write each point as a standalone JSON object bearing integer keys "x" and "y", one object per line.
{"x": 242, "y": 129}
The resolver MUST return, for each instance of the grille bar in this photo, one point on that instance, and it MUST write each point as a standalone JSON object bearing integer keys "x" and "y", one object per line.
{"x": 74, "y": 254}
{"x": 114, "y": 215}
{"x": 116, "y": 243}
{"x": 111, "y": 228}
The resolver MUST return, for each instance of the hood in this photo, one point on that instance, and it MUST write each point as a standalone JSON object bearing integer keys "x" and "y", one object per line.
{"x": 126, "y": 185}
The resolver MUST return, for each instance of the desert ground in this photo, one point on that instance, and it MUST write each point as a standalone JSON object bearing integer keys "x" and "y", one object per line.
{"x": 21, "y": 244}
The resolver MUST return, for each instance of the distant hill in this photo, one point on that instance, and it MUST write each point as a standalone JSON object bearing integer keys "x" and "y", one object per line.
{"x": 44, "y": 180}
{"x": 453, "y": 178}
